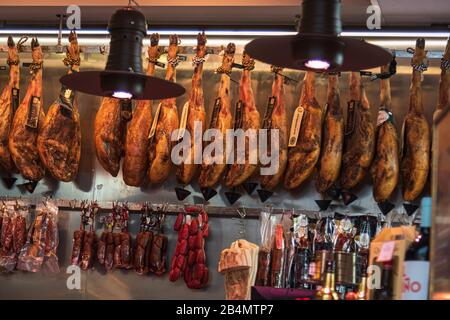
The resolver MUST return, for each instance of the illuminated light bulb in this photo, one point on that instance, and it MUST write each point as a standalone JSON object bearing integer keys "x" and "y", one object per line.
{"x": 122, "y": 95}
{"x": 317, "y": 64}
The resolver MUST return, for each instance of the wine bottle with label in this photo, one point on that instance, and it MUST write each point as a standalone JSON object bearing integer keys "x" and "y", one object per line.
{"x": 417, "y": 260}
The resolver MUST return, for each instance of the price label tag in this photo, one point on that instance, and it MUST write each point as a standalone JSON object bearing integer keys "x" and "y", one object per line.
{"x": 183, "y": 121}
{"x": 267, "y": 121}
{"x": 155, "y": 122}
{"x": 33, "y": 112}
{"x": 215, "y": 113}
{"x": 295, "y": 126}
{"x": 279, "y": 236}
{"x": 386, "y": 252}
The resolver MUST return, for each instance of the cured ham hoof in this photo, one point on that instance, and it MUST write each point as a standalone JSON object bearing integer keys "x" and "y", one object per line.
{"x": 29, "y": 186}
{"x": 323, "y": 204}
{"x": 208, "y": 193}
{"x": 182, "y": 193}
{"x": 386, "y": 207}
{"x": 9, "y": 182}
{"x": 249, "y": 187}
{"x": 410, "y": 208}
{"x": 264, "y": 194}
{"x": 348, "y": 197}
{"x": 232, "y": 196}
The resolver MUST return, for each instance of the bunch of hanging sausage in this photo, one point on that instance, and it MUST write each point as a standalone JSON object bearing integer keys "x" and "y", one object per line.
{"x": 114, "y": 250}
{"x": 30, "y": 141}
{"x": 189, "y": 259}
{"x": 33, "y": 250}
{"x": 319, "y": 141}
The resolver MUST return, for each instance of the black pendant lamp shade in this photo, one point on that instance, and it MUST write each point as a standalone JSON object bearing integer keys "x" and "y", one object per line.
{"x": 318, "y": 46}
{"x": 123, "y": 76}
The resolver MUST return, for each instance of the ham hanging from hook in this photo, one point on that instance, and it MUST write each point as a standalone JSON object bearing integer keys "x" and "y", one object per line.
{"x": 415, "y": 163}
{"x": 9, "y": 101}
{"x": 135, "y": 162}
{"x": 166, "y": 122}
{"x": 59, "y": 141}
{"x": 196, "y": 114}
{"x": 28, "y": 121}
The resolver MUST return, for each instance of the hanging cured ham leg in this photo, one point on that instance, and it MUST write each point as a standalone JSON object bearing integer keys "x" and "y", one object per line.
{"x": 108, "y": 130}
{"x": 59, "y": 141}
{"x": 166, "y": 122}
{"x": 9, "y": 101}
{"x": 416, "y": 148}
{"x": 332, "y": 140}
{"x": 222, "y": 120}
{"x": 135, "y": 162}
{"x": 28, "y": 122}
{"x": 196, "y": 113}
{"x": 303, "y": 156}
{"x": 276, "y": 119}
{"x": 246, "y": 118}
{"x": 359, "y": 140}
{"x": 385, "y": 168}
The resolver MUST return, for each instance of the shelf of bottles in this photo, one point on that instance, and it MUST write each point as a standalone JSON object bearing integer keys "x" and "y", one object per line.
{"x": 329, "y": 257}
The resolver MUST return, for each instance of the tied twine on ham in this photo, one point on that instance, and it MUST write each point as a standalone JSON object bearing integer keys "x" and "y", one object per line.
{"x": 28, "y": 121}
{"x": 222, "y": 120}
{"x": 59, "y": 140}
{"x": 332, "y": 139}
{"x": 167, "y": 121}
{"x": 196, "y": 113}
{"x": 135, "y": 162}
{"x": 276, "y": 119}
{"x": 415, "y": 163}
{"x": 9, "y": 101}
{"x": 385, "y": 168}
{"x": 247, "y": 117}
{"x": 302, "y": 158}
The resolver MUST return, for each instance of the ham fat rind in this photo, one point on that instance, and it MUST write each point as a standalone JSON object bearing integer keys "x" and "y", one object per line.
{"x": 7, "y": 105}
{"x": 359, "y": 140}
{"x": 303, "y": 157}
{"x": 135, "y": 162}
{"x": 416, "y": 141}
{"x": 211, "y": 173}
{"x": 239, "y": 173}
{"x": 186, "y": 171}
{"x": 278, "y": 121}
{"x": 385, "y": 168}
{"x": 59, "y": 140}
{"x": 161, "y": 145}
{"x": 28, "y": 122}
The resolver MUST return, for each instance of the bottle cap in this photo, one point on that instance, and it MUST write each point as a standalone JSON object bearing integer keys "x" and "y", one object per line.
{"x": 425, "y": 212}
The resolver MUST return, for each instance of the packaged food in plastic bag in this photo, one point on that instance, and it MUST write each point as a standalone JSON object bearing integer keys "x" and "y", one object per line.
{"x": 51, "y": 239}
{"x": 13, "y": 233}
{"x": 32, "y": 254}
{"x": 262, "y": 275}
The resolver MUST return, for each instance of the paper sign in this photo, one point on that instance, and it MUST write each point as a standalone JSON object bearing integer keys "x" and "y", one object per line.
{"x": 183, "y": 121}
{"x": 295, "y": 126}
{"x": 155, "y": 122}
{"x": 387, "y": 251}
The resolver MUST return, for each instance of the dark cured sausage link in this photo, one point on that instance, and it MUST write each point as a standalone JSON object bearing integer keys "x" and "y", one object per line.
{"x": 78, "y": 239}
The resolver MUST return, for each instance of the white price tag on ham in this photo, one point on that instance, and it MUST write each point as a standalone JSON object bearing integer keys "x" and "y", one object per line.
{"x": 183, "y": 122}
{"x": 387, "y": 251}
{"x": 295, "y": 126}
{"x": 155, "y": 122}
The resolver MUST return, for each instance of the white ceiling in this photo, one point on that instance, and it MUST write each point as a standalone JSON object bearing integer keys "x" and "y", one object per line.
{"x": 395, "y": 13}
